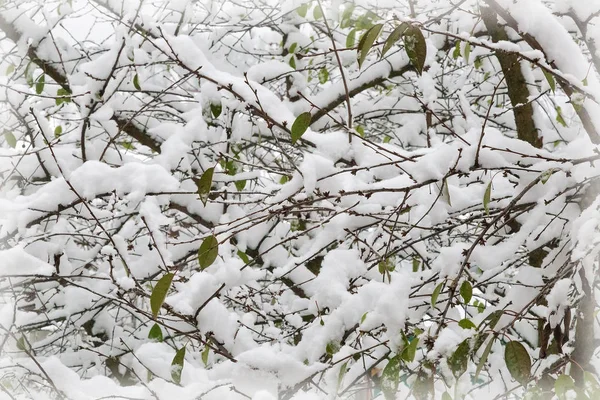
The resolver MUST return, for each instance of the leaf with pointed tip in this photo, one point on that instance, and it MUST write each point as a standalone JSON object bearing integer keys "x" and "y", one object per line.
{"x": 204, "y": 184}
{"x": 550, "y": 79}
{"x": 243, "y": 256}
{"x": 459, "y": 360}
{"x": 416, "y": 47}
{"x": 177, "y": 365}
{"x": 467, "y": 52}
{"x": 323, "y": 75}
{"x": 484, "y": 356}
{"x": 487, "y": 196}
{"x": 466, "y": 323}
{"x": 390, "y": 377}
{"x": 466, "y": 291}
{"x": 208, "y": 252}
{"x": 456, "y": 52}
{"x": 11, "y": 140}
{"x": 436, "y": 294}
{"x": 366, "y": 42}
{"x": 136, "y": 82}
{"x": 216, "y": 109}
{"x": 205, "y": 354}
{"x": 39, "y": 84}
{"x": 302, "y": 10}
{"x": 317, "y": 13}
{"x": 343, "y": 370}
{"x": 159, "y": 293}
{"x": 155, "y": 333}
{"x": 300, "y": 126}
{"x": 240, "y": 185}
{"x": 415, "y": 264}
{"x": 517, "y": 361}
{"x": 394, "y": 37}
{"x": 409, "y": 352}
{"x": 351, "y": 38}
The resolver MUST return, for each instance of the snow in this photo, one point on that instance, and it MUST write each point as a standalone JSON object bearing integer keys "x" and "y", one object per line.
{"x": 295, "y": 291}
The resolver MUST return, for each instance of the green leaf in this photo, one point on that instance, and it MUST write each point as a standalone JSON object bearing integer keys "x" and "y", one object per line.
{"x": 466, "y": 323}
{"x": 204, "y": 184}
{"x": 244, "y": 257}
{"x": 559, "y": 117}
{"x": 332, "y": 348}
{"x": 446, "y": 396}
{"x": 562, "y": 385}
{"x": 292, "y": 62}
{"x": 415, "y": 264}
{"x": 390, "y": 377}
{"x": 240, "y": 185}
{"x": 478, "y": 63}
{"x": 127, "y": 145}
{"x": 423, "y": 388}
{"x": 300, "y": 126}
{"x": 456, "y": 52}
{"x": 216, "y": 109}
{"x": 39, "y": 84}
{"x": 323, "y": 75}
{"x": 317, "y": 13}
{"x": 466, "y": 291}
{"x": 394, "y": 37}
{"x": 416, "y": 47}
{"x": 208, "y": 252}
{"x": 436, "y": 293}
{"x": 11, "y": 140}
{"x": 343, "y": 370}
{"x": 205, "y": 354}
{"x": 155, "y": 333}
{"x": 387, "y": 139}
{"x": 386, "y": 265}
{"x": 10, "y": 69}
{"x": 459, "y": 360}
{"x": 363, "y": 318}
{"x": 480, "y": 308}
{"x": 347, "y": 15}
{"x": 487, "y": 196}
{"x": 409, "y": 352}
{"x": 177, "y": 365}
{"x": 302, "y": 10}
{"x": 361, "y": 130}
{"x": 136, "y": 82}
{"x": 550, "y": 79}
{"x": 467, "y": 52}
{"x": 22, "y": 344}
{"x": 292, "y": 48}
{"x": 517, "y": 361}
{"x": 492, "y": 319}
{"x": 484, "y": 356}
{"x": 351, "y": 38}
{"x": 591, "y": 384}
{"x": 63, "y": 96}
{"x": 58, "y": 131}
{"x": 283, "y": 180}
{"x": 366, "y": 42}
{"x": 157, "y": 298}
